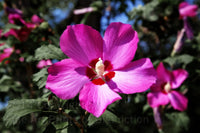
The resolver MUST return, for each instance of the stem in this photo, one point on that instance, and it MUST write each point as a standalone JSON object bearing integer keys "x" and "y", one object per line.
{"x": 173, "y": 53}
{"x": 160, "y": 131}
{"x": 30, "y": 85}
{"x": 75, "y": 122}
{"x": 29, "y": 75}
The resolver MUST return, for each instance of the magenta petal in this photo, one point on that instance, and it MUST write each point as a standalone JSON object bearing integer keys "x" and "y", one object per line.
{"x": 36, "y": 20}
{"x": 158, "y": 86}
{"x": 96, "y": 98}
{"x": 178, "y": 100}
{"x": 137, "y": 76}
{"x": 48, "y": 62}
{"x": 179, "y": 76}
{"x": 120, "y": 44}
{"x": 15, "y": 17}
{"x": 81, "y": 43}
{"x": 66, "y": 78}
{"x": 187, "y": 10}
{"x": 43, "y": 63}
{"x": 30, "y": 25}
{"x": 157, "y": 98}
{"x": 11, "y": 32}
{"x": 162, "y": 73}
{"x": 6, "y": 53}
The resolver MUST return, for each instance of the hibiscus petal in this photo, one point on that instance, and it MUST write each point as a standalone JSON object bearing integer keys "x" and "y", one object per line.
{"x": 120, "y": 44}
{"x": 6, "y": 53}
{"x": 36, "y": 20}
{"x": 66, "y": 78}
{"x": 137, "y": 76}
{"x": 15, "y": 17}
{"x": 178, "y": 100}
{"x": 179, "y": 76}
{"x": 163, "y": 74}
{"x": 158, "y": 86}
{"x": 187, "y": 10}
{"x": 81, "y": 43}
{"x": 96, "y": 98}
{"x": 156, "y": 99}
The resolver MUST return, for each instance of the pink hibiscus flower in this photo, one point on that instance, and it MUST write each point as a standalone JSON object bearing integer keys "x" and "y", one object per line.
{"x": 162, "y": 92}
{"x": 99, "y": 68}
{"x": 187, "y": 10}
{"x": 36, "y": 20}
{"x": 6, "y": 54}
{"x": 44, "y": 63}
{"x": 16, "y": 19}
{"x": 23, "y": 33}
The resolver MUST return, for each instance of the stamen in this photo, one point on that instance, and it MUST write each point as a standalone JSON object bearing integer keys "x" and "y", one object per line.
{"x": 99, "y": 68}
{"x": 167, "y": 87}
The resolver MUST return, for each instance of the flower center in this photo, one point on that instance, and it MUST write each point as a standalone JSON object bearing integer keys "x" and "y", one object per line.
{"x": 167, "y": 87}
{"x": 99, "y": 68}
{"x": 99, "y": 72}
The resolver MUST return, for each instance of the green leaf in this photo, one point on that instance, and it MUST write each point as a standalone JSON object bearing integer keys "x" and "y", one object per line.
{"x": 6, "y": 83}
{"x": 92, "y": 120}
{"x": 53, "y": 103}
{"x": 40, "y": 78}
{"x": 19, "y": 108}
{"x": 29, "y": 58}
{"x": 146, "y": 107}
{"x": 107, "y": 117}
{"x": 98, "y": 4}
{"x": 50, "y": 129}
{"x": 148, "y": 11}
{"x": 64, "y": 130}
{"x": 44, "y": 25}
{"x": 61, "y": 125}
{"x": 137, "y": 11}
{"x": 184, "y": 59}
{"x": 49, "y": 52}
{"x": 9, "y": 26}
{"x": 176, "y": 122}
